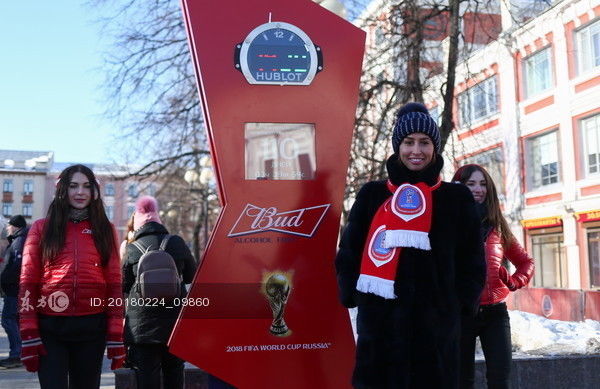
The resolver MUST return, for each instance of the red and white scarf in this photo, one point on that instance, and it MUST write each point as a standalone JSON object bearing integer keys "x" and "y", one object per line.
{"x": 404, "y": 220}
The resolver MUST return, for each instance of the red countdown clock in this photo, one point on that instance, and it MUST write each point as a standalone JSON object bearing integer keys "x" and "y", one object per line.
{"x": 278, "y": 82}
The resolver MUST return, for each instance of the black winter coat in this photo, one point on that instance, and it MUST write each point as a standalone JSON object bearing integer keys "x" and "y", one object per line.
{"x": 9, "y": 279}
{"x": 146, "y": 324}
{"x": 433, "y": 287}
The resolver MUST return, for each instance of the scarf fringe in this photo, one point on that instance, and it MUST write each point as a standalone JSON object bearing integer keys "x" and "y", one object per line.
{"x": 406, "y": 238}
{"x": 379, "y": 286}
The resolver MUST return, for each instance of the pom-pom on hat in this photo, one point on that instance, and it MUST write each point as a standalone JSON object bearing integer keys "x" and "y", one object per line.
{"x": 17, "y": 221}
{"x": 146, "y": 210}
{"x": 411, "y": 118}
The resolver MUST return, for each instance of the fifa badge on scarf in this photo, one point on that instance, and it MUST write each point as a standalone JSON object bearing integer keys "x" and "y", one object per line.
{"x": 408, "y": 202}
{"x": 379, "y": 254}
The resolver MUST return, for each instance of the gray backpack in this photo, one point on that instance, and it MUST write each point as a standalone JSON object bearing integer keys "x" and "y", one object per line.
{"x": 157, "y": 275}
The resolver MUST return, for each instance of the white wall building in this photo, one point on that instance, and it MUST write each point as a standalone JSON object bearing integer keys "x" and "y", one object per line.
{"x": 23, "y": 180}
{"x": 528, "y": 109}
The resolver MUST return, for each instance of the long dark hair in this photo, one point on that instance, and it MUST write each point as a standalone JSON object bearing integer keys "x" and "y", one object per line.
{"x": 129, "y": 228}
{"x": 494, "y": 214}
{"x": 58, "y": 215}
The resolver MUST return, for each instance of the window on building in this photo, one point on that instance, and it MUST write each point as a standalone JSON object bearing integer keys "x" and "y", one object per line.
{"x": 538, "y": 72}
{"x": 593, "y": 238}
{"x": 550, "y": 271}
{"x": 7, "y": 185}
{"x": 524, "y": 10}
{"x": 6, "y": 209}
{"x": 591, "y": 143}
{"x": 27, "y": 210}
{"x": 110, "y": 212}
{"x": 132, "y": 190}
{"x": 492, "y": 161}
{"x": 28, "y": 187}
{"x": 379, "y": 36}
{"x": 436, "y": 114}
{"x": 478, "y": 102}
{"x": 543, "y": 160}
{"x": 130, "y": 210}
{"x": 588, "y": 47}
{"x": 109, "y": 190}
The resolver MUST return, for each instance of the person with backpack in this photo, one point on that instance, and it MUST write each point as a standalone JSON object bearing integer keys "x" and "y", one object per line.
{"x": 69, "y": 276}
{"x": 156, "y": 268}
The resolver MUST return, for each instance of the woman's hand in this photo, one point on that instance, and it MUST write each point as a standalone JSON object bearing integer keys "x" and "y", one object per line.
{"x": 507, "y": 279}
{"x": 115, "y": 350}
{"x": 31, "y": 350}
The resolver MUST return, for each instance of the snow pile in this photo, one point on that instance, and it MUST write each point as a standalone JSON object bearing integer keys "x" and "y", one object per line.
{"x": 533, "y": 334}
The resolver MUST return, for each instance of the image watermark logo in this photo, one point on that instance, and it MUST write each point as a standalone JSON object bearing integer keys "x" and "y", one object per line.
{"x": 58, "y": 301}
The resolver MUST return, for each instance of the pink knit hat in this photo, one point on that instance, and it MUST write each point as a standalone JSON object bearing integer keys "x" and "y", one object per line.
{"x": 146, "y": 210}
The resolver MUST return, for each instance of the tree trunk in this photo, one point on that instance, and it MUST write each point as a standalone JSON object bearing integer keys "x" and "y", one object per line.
{"x": 447, "y": 121}
{"x": 196, "y": 239}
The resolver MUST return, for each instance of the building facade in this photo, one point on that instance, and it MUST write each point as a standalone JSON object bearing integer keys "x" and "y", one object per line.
{"x": 23, "y": 178}
{"x": 528, "y": 109}
{"x": 28, "y": 181}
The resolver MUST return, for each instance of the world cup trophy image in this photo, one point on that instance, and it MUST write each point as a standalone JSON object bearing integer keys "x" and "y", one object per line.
{"x": 277, "y": 290}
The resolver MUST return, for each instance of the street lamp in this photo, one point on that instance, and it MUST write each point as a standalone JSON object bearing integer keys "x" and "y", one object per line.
{"x": 191, "y": 176}
{"x": 169, "y": 215}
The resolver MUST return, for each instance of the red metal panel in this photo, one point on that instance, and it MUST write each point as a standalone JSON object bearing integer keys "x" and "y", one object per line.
{"x": 592, "y": 305}
{"x": 228, "y": 338}
{"x": 561, "y": 304}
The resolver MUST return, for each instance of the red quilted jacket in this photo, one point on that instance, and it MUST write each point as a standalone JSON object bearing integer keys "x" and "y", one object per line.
{"x": 496, "y": 289}
{"x": 75, "y": 283}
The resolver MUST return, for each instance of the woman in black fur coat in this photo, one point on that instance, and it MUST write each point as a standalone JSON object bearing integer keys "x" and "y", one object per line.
{"x": 411, "y": 258}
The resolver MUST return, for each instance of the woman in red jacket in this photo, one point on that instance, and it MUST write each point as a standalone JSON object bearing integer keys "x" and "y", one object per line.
{"x": 492, "y": 323}
{"x": 70, "y": 288}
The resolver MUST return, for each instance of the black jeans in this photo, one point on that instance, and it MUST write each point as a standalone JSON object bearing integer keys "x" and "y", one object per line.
{"x": 492, "y": 325}
{"x": 149, "y": 359}
{"x": 75, "y": 347}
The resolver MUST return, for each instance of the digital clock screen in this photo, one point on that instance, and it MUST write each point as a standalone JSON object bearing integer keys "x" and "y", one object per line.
{"x": 278, "y": 53}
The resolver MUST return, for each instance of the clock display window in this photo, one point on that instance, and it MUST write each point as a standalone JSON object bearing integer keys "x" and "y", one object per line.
{"x": 278, "y": 53}
{"x": 280, "y": 151}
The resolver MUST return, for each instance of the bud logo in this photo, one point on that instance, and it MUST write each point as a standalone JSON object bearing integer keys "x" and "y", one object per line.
{"x": 302, "y": 221}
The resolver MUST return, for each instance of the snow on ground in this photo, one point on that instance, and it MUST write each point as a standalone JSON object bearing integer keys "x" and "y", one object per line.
{"x": 534, "y": 335}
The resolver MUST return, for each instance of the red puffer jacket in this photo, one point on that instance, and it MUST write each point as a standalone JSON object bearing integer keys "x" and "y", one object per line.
{"x": 74, "y": 284}
{"x": 499, "y": 282}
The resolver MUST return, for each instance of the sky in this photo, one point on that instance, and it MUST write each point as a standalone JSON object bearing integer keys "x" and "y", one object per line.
{"x": 50, "y": 77}
{"x": 51, "y": 95}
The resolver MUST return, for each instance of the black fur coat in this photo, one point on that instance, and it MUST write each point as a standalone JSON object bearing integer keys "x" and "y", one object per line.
{"x": 419, "y": 330}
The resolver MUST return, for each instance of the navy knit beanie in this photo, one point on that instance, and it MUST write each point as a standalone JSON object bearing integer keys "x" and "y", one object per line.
{"x": 411, "y": 118}
{"x": 17, "y": 221}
